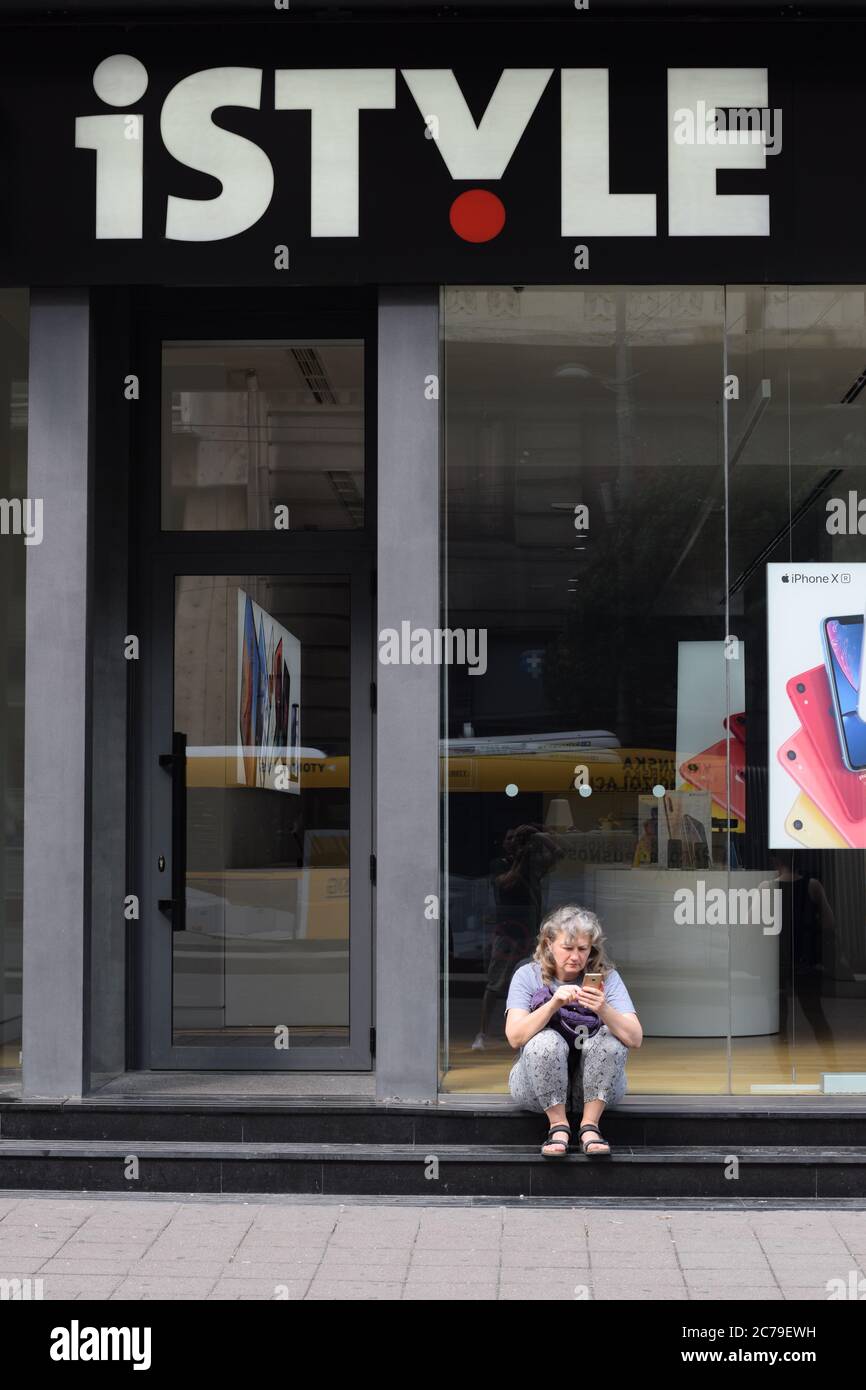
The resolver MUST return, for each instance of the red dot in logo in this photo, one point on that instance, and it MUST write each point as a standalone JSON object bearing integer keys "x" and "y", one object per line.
{"x": 477, "y": 215}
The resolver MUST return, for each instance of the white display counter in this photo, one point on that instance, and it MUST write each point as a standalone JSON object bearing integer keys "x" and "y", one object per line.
{"x": 685, "y": 981}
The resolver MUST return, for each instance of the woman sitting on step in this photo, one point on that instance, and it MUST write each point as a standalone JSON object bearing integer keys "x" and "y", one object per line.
{"x": 570, "y": 1033}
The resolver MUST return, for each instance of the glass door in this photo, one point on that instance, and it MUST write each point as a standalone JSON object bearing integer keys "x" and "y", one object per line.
{"x": 259, "y": 838}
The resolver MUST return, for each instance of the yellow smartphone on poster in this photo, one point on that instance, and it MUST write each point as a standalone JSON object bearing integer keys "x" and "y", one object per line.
{"x": 810, "y": 827}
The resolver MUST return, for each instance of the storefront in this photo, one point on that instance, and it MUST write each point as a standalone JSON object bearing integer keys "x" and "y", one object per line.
{"x": 408, "y": 429}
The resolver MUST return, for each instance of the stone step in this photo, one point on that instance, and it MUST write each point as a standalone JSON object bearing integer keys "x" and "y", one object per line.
{"x": 332, "y": 1120}
{"x": 804, "y": 1172}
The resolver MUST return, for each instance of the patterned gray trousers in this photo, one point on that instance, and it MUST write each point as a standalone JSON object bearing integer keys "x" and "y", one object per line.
{"x": 539, "y": 1077}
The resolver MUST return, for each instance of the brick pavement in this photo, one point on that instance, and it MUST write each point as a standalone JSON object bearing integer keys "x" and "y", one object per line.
{"x": 228, "y": 1248}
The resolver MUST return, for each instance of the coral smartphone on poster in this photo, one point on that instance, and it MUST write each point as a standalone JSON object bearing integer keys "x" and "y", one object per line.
{"x": 798, "y": 757}
{"x": 810, "y": 828}
{"x": 736, "y": 724}
{"x": 812, "y": 698}
{"x": 707, "y": 771}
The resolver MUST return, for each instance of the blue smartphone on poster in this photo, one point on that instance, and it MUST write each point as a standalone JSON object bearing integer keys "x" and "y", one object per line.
{"x": 843, "y": 650}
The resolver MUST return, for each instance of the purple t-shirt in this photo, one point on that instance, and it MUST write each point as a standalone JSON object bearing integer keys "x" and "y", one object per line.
{"x": 526, "y": 980}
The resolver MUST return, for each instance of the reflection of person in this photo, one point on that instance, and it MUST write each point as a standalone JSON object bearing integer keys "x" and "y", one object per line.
{"x": 647, "y": 848}
{"x": 592, "y": 1066}
{"x": 528, "y": 855}
{"x": 806, "y": 917}
{"x": 298, "y": 837}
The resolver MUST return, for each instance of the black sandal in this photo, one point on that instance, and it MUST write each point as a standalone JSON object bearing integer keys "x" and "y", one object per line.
{"x": 600, "y": 1140}
{"x": 561, "y": 1128}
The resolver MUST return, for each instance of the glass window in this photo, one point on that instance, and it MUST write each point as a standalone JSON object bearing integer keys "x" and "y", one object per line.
{"x": 14, "y": 333}
{"x": 584, "y": 457}
{"x": 628, "y": 475}
{"x": 797, "y": 430}
{"x": 262, "y": 699}
{"x": 258, "y": 436}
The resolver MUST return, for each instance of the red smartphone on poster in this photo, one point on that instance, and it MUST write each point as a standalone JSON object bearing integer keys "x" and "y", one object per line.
{"x": 798, "y": 757}
{"x": 707, "y": 772}
{"x": 736, "y": 724}
{"x": 812, "y": 698}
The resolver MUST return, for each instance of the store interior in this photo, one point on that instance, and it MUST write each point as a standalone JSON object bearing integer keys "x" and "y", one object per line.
{"x": 620, "y": 467}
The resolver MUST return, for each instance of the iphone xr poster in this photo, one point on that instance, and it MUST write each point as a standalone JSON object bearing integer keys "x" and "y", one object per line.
{"x": 711, "y": 727}
{"x": 269, "y": 683}
{"x": 815, "y": 669}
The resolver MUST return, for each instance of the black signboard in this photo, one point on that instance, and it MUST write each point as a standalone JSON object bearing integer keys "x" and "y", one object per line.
{"x": 291, "y": 152}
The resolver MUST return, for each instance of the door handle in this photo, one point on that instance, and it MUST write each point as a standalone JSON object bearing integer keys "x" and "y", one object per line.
{"x": 175, "y": 764}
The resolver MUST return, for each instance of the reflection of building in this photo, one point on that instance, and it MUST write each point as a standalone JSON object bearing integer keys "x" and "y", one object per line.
{"x": 405, "y": 423}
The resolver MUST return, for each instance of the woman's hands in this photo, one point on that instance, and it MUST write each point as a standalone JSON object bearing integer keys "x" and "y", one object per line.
{"x": 574, "y": 994}
{"x": 591, "y": 999}
{"x": 565, "y": 994}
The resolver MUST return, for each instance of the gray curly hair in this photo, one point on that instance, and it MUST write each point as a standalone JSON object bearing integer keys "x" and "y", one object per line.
{"x": 571, "y": 920}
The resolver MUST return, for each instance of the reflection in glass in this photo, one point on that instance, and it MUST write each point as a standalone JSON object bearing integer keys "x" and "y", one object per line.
{"x": 262, "y": 695}
{"x": 263, "y": 436}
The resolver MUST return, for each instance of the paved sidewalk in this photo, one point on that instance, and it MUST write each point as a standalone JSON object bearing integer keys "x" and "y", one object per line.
{"x": 228, "y": 1248}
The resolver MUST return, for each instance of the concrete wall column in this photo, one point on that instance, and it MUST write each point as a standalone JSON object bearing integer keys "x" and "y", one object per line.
{"x": 56, "y": 800}
{"x": 407, "y": 726}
